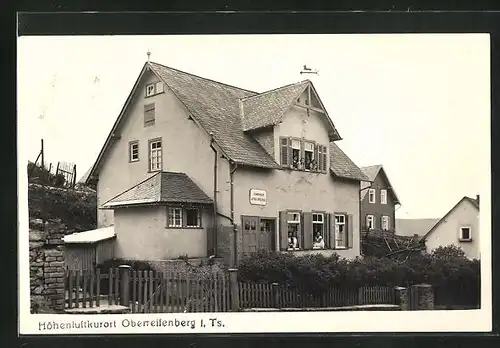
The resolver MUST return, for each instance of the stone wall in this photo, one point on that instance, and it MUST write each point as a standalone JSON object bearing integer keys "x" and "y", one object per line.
{"x": 47, "y": 266}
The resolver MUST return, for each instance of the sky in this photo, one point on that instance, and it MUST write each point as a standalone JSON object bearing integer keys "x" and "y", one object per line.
{"x": 417, "y": 104}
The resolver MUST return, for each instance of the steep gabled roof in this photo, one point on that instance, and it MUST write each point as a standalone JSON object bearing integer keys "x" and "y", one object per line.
{"x": 372, "y": 172}
{"x": 342, "y": 166}
{"x": 268, "y": 108}
{"x": 472, "y": 201}
{"x": 265, "y": 109}
{"x": 163, "y": 187}
{"x": 216, "y": 107}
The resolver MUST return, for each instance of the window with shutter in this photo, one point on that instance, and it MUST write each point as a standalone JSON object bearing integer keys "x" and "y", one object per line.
{"x": 149, "y": 114}
{"x": 324, "y": 158}
{"x": 285, "y": 152}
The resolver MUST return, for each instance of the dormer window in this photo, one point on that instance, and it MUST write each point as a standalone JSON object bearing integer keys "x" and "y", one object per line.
{"x": 309, "y": 156}
{"x": 302, "y": 154}
{"x": 296, "y": 158}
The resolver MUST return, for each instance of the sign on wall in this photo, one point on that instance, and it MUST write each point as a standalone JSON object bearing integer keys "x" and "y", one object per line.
{"x": 258, "y": 197}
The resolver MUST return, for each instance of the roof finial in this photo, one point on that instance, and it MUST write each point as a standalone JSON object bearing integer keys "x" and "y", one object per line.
{"x": 149, "y": 54}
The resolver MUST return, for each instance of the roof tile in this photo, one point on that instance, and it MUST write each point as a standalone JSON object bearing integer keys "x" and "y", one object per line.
{"x": 342, "y": 166}
{"x": 163, "y": 187}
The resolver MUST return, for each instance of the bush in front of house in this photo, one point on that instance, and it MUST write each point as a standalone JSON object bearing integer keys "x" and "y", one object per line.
{"x": 77, "y": 210}
{"x": 445, "y": 267}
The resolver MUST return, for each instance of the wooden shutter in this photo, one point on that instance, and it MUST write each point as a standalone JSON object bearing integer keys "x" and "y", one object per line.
{"x": 327, "y": 230}
{"x": 349, "y": 234}
{"x": 285, "y": 151}
{"x": 317, "y": 155}
{"x": 302, "y": 161}
{"x": 283, "y": 230}
{"x": 307, "y": 223}
{"x": 324, "y": 162}
{"x": 332, "y": 231}
{"x": 149, "y": 114}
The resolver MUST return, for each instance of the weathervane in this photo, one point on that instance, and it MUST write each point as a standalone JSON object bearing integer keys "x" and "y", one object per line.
{"x": 306, "y": 70}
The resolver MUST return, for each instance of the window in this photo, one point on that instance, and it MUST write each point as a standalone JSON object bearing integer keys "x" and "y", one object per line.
{"x": 134, "y": 151}
{"x": 150, "y": 90}
{"x": 149, "y": 115}
{"x": 184, "y": 217}
{"x": 385, "y": 223}
{"x": 318, "y": 231}
{"x": 193, "y": 217}
{"x": 465, "y": 234}
{"x": 296, "y": 160}
{"x": 155, "y": 155}
{"x": 383, "y": 196}
{"x": 302, "y": 154}
{"x": 309, "y": 156}
{"x": 174, "y": 217}
{"x": 154, "y": 88}
{"x": 340, "y": 231}
{"x": 371, "y": 195}
{"x": 293, "y": 221}
{"x": 370, "y": 222}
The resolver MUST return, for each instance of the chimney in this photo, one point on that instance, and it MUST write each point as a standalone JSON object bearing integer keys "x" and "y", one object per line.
{"x": 477, "y": 199}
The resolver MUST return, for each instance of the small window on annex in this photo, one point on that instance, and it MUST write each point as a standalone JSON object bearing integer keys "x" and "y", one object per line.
{"x": 193, "y": 218}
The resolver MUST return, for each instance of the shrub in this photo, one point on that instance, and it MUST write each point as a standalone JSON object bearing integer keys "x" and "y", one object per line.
{"x": 446, "y": 266}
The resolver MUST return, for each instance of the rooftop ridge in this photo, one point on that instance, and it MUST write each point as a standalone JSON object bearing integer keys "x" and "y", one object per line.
{"x": 274, "y": 90}
{"x": 201, "y": 77}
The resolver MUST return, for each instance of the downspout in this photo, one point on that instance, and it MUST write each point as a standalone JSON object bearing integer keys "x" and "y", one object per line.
{"x": 215, "y": 231}
{"x": 232, "y": 168}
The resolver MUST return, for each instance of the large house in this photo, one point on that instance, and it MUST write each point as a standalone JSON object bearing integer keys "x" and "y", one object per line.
{"x": 378, "y": 200}
{"x": 460, "y": 227}
{"x": 194, "y": 167}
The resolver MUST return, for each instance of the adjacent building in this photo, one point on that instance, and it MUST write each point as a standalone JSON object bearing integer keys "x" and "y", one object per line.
{"x": 195, "y": 168}
{"x": 378, "y": 200}
{"x": 460, "y": 227}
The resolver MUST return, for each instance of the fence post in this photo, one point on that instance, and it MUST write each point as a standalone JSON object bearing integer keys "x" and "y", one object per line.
{"x": 276, "y": 295}
{"x": 425, "y": 297}
{"x": 124, "y": 284}
{"x": 235, "y": 300}
{"x": 401, "y": 297}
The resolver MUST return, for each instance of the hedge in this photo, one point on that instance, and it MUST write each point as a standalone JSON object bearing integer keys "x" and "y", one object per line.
{"x": 446, "y": 266}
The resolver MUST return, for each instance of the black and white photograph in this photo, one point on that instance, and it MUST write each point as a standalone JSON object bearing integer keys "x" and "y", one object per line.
{"x": 254, "y": 183}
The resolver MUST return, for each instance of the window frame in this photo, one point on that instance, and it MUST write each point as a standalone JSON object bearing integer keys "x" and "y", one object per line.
{"x": 174, "y": 225}
{"x": 131, "y": 144}
{"x": 155, "y": 89}
{"x": 336, "y": 246}
{"x": 150, "y": 144}
{"x": 372, "y": 190}
{"x": 461, "y": 236}
{"x": 373, "y": 221}
{"x": 383, "y": 196}
{"x": 323, "y": 228}
{"x": 198, "y": 217}
{"x": 153, "y": 85}
{"x": 313, "y": 152}
{"x": 295, "y": 222}
{"x": 385, "y": 217}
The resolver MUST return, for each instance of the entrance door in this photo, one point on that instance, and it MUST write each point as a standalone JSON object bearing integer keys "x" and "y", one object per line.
{"x": 266, "y": 235}
{"x": 258, "y": 234}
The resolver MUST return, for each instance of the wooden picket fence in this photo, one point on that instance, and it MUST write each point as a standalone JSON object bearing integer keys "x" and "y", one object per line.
{"x": 157, "y": 292}
{"x": 253, "y": 295}
{"x": 149, "y": 291}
